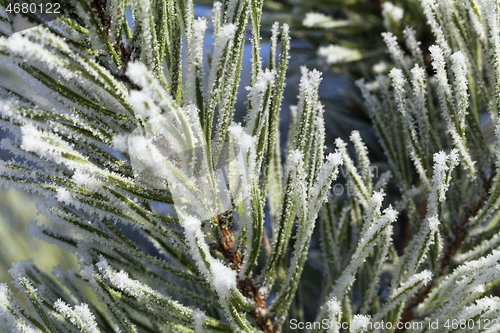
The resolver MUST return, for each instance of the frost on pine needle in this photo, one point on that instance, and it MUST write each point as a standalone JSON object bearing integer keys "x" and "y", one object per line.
{"x": 419, "y": 89}
{"x": 453, "y": 117}
{"x": 415, "y": 148}
{"x": 194, "y": 55}
{"x": 364, "y": 162}
{"x": 361, "y": 190}
{"x": 79, "y": 316}
{"x": 256, "y": 94}
{"x": 460, "y": 70}
{"x": 417, "y": 250}
{"x": 198, "y": 321}
{"x": 334, "y": 314}
{"x": 429, "y": 7}
{"x": 463, "y": 284}
{"x": 413, "y": 45}
{"x": 376, "y": 221}
{"x": 395, "y": 51}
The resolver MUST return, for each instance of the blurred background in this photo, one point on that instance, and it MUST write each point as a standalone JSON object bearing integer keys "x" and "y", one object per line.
{"x": 17, "y": 210}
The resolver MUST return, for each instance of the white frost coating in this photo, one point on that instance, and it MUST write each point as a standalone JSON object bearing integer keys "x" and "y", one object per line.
{"x": 417, "y": 249}
{"x": 119, "y": 143}
{"x": 445, "y": 99}
{"x": 219, "y": 276}
{"x": 308, "y": 100}
{"x": 29, "y": 48}
{"x": 191, "y": 225}
{"x": 223, "y": 278}
{"x": 333, "y": 160}
{"x": 401, "y": 294}
{"x": 430, "y": 8}
{"x": 196, "y": 243}
{"x": 371, "y": 101}
{"x": 141, "y": 76}
{"x": 17, "y": 44}
{"x": 491, "y": 17}
{"x": 294, "y": 157}
{"x": 423, "y": 277}
{"x": 373, "y": 208}
{"x": 359, "y": 323}
{"x": 37, "y": 231}
{"x": 64, "y": 196}
{"x": 419, "y": 89}
{"x": 480, "y": 250}
{"x": 440, "y": 184}
{"x": 360, "y": 189}
{"x": 484, "y": 307}
{"x": 307, "y": 205}
{"x": 226, "y": 33}
{"x": 395, "y": 51}
{"x": 79, "y": 316}
{"x": 319, "y": 20}
{"x": 199, "y": 318}
{"x": 460, "y": 70}
{"x": 199, "y": 27}
{"x": 484, "y": 310}
{"x": 243, "y": 177}
{"x": 122, "y": 280}
{"x": 334, "y": 307}
{"x": 463, "y": 283}
{"x": 143, "y": 104}
{"x": 391, "y": 14}
{"x": 142, "y": 10}
{"x": 194, "y": 58}
{"x": 137, "y": 71}
{"x": 375, "y": 223}
{"x": 264, "y": 82}
{"x": 477, "y": 17}
{"x": 334, "y": 314}
{"x": 413, "y": 45}
{"x": 10, "y": 317}
{"x": 51, "y": 147}
{"x": 335, "y": 54}
{"x": 364, "y": 161}
{"x": 414, "y": 146}
{"x": 5, "y": 304}
{"x": 243, "y": 166}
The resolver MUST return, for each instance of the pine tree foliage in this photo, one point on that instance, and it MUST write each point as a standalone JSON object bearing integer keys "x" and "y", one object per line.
{"x": 166, "y": 200}
{"x": 132, "y": 126}
{"x": 416, "y": 116}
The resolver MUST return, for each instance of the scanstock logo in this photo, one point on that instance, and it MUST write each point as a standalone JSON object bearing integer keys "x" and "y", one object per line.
{"x": 19, "y": 15}
{"x": 169, "y": 152}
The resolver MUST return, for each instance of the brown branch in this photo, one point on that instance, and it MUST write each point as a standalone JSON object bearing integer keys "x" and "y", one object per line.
{"x": 247, "y": 286}
{"x": 100, "y": 8}
{"x": 125, "y": 53}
